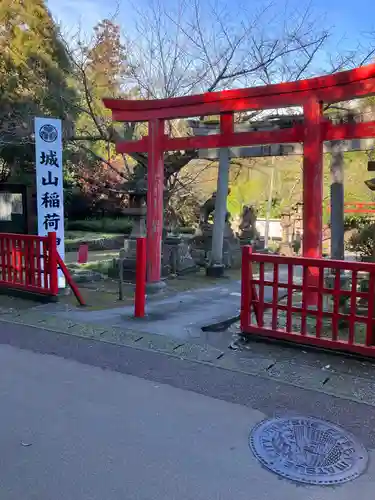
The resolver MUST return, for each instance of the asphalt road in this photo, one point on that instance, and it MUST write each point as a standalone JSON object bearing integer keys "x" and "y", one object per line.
{"x": 110, "y": 422}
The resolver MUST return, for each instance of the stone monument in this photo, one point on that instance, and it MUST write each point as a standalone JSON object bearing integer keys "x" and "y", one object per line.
{"x": 292, "y": 229}
{"x": 201, "y": 243}
{"x": 248, "y": 233}
{"x": 136, "y": 190}
{"x": 177, "y": 255}
{"x": 176, "y": 258}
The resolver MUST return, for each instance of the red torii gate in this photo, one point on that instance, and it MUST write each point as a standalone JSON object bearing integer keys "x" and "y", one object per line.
{"x": 359, "y": 208}
{"x": 309, "y": 94}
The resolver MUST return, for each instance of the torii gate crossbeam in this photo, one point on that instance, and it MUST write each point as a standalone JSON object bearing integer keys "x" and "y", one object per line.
{"x": 310, "y": 94}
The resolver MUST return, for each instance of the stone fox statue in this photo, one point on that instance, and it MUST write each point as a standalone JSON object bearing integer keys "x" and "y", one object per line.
{"x": 208, "y": 208}
{"x": 248, "y": 223}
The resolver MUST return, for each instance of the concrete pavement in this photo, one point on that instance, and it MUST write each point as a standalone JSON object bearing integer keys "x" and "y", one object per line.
{"x": 74, "y": 431}
{"x": 324, "y": 372}
{"x": 182, "y": 315}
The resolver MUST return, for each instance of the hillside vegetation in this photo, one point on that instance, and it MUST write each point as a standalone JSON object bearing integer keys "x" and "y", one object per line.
{"x": 250, "y": 182}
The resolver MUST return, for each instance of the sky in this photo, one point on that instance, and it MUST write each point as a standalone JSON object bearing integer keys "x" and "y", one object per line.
{"x": 348, "y": 20}
{"x": 70, "y": 13}
{"x": 348, "y": 16}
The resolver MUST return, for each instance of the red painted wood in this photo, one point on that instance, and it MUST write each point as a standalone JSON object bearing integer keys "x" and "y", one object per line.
{"x": 253, "y": 296}
{"x": 370, "y": 310}
{"x": 323, "y": 263}
{"x": 353, "y": 308}
{"x": 226, "y": 125}
{"x": 69, "y": 280}
{"x": 45, "y": 259}
{"x": 38, "y": 258}
{"x": 304, "y": 337}
{"x": 360, "y": 211}
{"x": 312, "y": 191}
{"x": 332, "y": 94}
{"x": 305, "y": 293}
{"x": 31, "y": 262}
{"x": 289, "y": 299}
{"x": 16, "y": 251}
{"x": 347, "y": 131}
{"x": 279, "y": 136}
{"x": 155, "y": 189}
{"x": 19, "y": 264}
{"x": 275, "y": 295}
{"x": 26, "y": 237}
{"x": 13, "y": 246}
{"x": 261, "y": 294}
{"x": 27, "y": 262}
{"x": 2, "y": 259}
{"x": 24, "y": 263}
{"x": 51, "y": 267}
{"x": 320, "y": 303}
{"x": 362, "y": 204}
{"x": 140, "y": 279}
{"x": 228, "y": 139}
{"x": 246, "y": 289}
{"x": 8, "y": 253}
{"x": 139, "y": 146}
{"x": 83, "y": 253}
{"x": 360, "y": 208}
{"x": 339, "y": 345}
{"x": 337, "y": 86}
{"x": 7, "y": 256}
{"x": 336, "y": 303}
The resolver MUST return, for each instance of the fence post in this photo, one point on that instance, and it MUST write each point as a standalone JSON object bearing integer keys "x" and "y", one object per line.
{"x": 52, "y": 264}
{"x": 245, "y": 288}
{"x": 140, "y": 279}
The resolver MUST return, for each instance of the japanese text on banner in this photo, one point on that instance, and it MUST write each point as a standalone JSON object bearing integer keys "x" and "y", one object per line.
{"x": 49, "y": 181}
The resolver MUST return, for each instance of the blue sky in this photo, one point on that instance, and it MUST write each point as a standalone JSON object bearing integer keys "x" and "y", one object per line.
{"x": 86, "y": 12}
{"x": 349, "y": 19}
{"x": 347, "y": 15}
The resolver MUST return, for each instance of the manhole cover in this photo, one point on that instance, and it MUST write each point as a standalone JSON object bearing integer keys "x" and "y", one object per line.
{"x": 308, "y": 450}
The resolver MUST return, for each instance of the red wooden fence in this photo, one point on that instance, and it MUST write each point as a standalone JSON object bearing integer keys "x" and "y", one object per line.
{"x": 273, "y": 301}
{"x": 358, "y": 208}
{"x": 29, "y": 263}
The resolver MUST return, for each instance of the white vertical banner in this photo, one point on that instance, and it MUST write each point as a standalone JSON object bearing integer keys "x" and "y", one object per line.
{"x": 49, "y": 182}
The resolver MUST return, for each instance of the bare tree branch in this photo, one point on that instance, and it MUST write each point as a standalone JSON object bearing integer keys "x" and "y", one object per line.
{"x": 196, "y": 46}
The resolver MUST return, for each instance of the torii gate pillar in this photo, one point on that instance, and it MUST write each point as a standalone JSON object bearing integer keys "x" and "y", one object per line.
{"x": 312, "y": 189}
{"x": 155, "y": 190}
{"x": 343, "y": 86}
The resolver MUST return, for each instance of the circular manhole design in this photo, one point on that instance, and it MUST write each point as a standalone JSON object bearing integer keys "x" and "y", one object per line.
{"x": 308, "y": 450}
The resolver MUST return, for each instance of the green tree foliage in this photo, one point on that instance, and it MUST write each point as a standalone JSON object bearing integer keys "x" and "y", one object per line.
{"x": 99, "y": 69}
{"x": 363, "y": 241}
{"x": 106, "y": 60}
{"x": 252, "y": 186}
{"x": 33, "y": 80}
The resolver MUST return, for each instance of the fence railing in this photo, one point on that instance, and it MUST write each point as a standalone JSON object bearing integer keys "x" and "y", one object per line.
{"x": 320, "y": 302}
{"x": 29, "y": 263}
